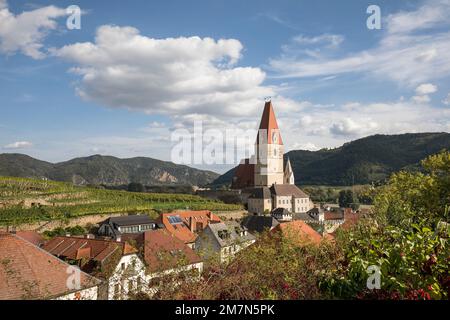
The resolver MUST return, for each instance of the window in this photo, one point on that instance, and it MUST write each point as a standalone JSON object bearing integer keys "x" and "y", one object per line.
{"x": 122, "y": 266}
{"x": 130, "y": 286}
{"x": 116, "y": 289}
{"x": 139, "y": 283}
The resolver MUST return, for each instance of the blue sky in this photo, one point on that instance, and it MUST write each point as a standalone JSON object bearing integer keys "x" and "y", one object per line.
{"x": 136, "y": 72}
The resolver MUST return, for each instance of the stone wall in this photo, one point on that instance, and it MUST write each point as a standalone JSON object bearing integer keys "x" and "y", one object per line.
{"x": 234, "y": 215}
{"x": 50, "y": 225}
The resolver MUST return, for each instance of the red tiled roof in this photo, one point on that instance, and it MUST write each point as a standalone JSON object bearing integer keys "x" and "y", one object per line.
{"x": 182, "y": 231}
{"x": 350, "y": 219}
{"x": 31, "y": 236}
{"x": 28, "y": 272}
{"x": 75, "y": 248}
{"x": 298, "y": 231}
{"x": 269, "y": 123}
{"x": 332, "y": 215}
{"x": 164, "y": 251}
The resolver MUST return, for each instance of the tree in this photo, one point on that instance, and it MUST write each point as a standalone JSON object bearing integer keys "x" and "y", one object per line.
{"x": 410, "y": 197}
{"x": 346, "y": 198}
{"x": 136, "y": 187}
{"x": 404, "y": 238}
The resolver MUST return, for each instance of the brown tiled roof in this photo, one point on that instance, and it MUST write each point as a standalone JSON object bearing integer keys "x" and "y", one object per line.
{"x": 31, "y": 236}
{"x": 298, "y": 231}
{"x": 288, "y": 190}
{"x": 164, "y": 251}
{"x": 333, "y": 215}
{"x": 74, "y": 248}
{"x": 350, "y": 219}
{"x": 269, "y": 123}
{"x": 182, "y": 230}
{"x": 28, "y": 272}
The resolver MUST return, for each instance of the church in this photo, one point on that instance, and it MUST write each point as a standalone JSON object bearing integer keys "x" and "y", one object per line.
{"x": 267, "y": 177}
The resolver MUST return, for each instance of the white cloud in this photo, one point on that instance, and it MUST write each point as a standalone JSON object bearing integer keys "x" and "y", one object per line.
{"x": 25, "y": 32}
{"x": 18, "y": 145}
{"x": 329, "y": 40}
{"x": 421, "y": 99}
{"x": 305, "y": 146}
{"x": 426, "y": 88}
{"x": 350, "y": 127}
{"x": 404, "y": 54}
{"x": 446, "y": 101}
{"x": 332, "y": 127}
{"x": 166, "y": 76}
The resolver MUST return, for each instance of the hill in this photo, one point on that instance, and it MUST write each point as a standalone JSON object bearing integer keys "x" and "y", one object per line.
{"x": 106, "y": 170}
{"x": 362, "y": 161}
{"x": 25, "y": 200}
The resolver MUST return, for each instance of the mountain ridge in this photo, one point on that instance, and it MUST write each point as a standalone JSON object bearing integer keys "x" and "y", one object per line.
{"x": 107, "y": 170}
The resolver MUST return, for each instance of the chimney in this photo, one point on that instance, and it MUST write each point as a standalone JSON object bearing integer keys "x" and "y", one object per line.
{"x": 118, "y": 238}
{"x": 191, "y": 224}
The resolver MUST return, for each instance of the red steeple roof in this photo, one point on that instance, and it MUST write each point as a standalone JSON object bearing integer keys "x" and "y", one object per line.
{"x": 269, "y": 123}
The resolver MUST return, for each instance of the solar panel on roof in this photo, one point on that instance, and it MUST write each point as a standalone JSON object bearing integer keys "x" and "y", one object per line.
{"x": 175, "y": 219}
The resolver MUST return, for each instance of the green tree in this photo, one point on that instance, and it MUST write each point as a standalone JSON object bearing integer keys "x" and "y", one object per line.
{"x": 136, "y": 187}
{"x": 406, "y": 238}
{"x": 346, "y": 198}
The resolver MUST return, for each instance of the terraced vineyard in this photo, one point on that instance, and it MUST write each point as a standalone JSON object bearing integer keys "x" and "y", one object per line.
{"x": 28, "y": 200}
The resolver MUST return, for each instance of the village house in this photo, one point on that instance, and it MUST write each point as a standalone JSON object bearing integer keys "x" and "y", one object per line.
{"x": 258, "y": 224}
{"x": 223, "y": 239}
{"x": 117, "y": 264}
{"x": 185, "y": 225}
{"x": 115, "y": 227}
{"x": 28, "y": 272}
{"x": 164, "y": 254}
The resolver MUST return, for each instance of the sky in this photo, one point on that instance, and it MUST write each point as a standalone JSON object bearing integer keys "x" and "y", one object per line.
{"x": 136, "y": 73}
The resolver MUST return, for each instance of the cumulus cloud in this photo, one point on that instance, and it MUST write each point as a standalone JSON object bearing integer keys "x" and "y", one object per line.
{"x": 426, "y": 88}
{"x": 334, "y": 126}
{"x": 18, "y": 145}
{"x": 404, "y": 54}
{"x": 123, "y": 68}
{"x": 25, "y": 32}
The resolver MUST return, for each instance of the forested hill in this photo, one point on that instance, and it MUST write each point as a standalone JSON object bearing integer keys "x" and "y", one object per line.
{"x": 361, "y": 161}
{"x": 105, "y": 170}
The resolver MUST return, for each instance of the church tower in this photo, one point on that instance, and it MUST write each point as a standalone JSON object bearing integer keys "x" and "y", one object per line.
{"x": 269, "y": 150}
{"x": 288, "y": 173}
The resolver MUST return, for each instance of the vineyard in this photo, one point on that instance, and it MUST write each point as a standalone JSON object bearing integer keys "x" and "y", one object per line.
{"x": 25, "y": 200}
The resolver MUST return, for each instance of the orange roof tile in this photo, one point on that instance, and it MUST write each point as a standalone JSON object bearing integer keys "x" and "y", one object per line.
{"x": 164, "y": 251}
{"x": 182, "y": 231}
{"x": 298, "y": 231}
{"x": 74, "y": 247}
{"x": 28, "y": 272}
{"x": 31, "y": 236}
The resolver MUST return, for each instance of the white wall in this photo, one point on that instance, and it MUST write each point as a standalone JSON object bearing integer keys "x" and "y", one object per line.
{"x": 123, "y": 284}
